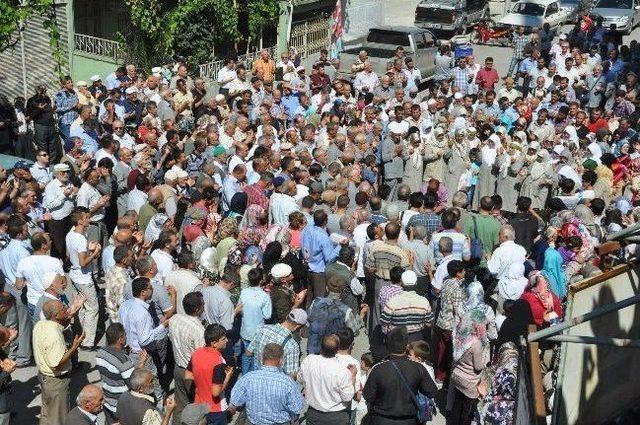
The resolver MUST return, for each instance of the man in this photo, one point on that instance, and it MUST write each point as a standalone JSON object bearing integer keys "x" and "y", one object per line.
{"x": 66, "y": 107}
{"x": 210, "y": 374}
{"x": 89, "y": 406}
{"x": 40, "y": 111}
{"x": 487, "y": 77}
{"x": 53, "y": 360}
{"x": 328, "y": 386}
{"x": 117, "y": 280}
{"x": 90, "y": 198}
{"x": 31, "y": 270}
{"x": 18, "y": 316}
{"x": 115, "y": 369}
{"x": 217, "y": 298}
{"x": 270, "y": 396}
{"x": 386, "y": 393}
{"x": 82, "y": 254}
{"x": 166, "y": 244}
{"x": 525, "y": 224}
{"x": 40, "y": 170}
{"x": 366, "y": 80}
{"x": 394, "y": 154}
{"x": 55, "y": 286}
{"x": 520, "y": 40}
{"x": 58, "y": 199}
{"x": 186, "y": 334}
{"x": 139, "y": 326}
{"x": 461, "y": 248}
{"x": 264, "y": 68}
{"x": 154, "y": 201}
{"x": 408, "y": 309}
{"x": 318, "y": 250}
{"x": 184, "y": 279}
{"x": 282, "y": 201}
{"x": 506, "y": 254}
{"x": 233, "y": 184}
{"x": 483, "y": 226}
{"x": 138, "y": 405}
{"x": 283, "y": 335}
{"x": 381, "y": 258}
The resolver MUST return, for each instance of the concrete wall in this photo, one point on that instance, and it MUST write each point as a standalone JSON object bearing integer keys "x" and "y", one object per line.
{"x": 84, "y": 67}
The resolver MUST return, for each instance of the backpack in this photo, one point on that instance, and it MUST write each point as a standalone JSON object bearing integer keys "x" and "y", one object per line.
{"x": 476, "y": 246}
{"x": 326, "y": 316}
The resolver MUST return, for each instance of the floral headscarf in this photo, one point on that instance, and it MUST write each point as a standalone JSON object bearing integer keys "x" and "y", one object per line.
{"x": 227, "y": 227}
{"x": 155, "y": 226}
{"x": 540, "y": 288}
{"x": 472, "y": 324}
{"x": 498, "y": 405}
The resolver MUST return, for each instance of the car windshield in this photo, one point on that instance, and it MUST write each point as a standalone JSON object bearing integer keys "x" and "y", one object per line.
{"x": 615, "y": 4}
{"x": 529, "y": 9}
{"x": 388, "y": 37}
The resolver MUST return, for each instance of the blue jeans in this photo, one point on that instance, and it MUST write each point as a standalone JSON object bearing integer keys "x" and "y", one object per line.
{"x": 246, "y": 362}
{"x": 65, "y": 134}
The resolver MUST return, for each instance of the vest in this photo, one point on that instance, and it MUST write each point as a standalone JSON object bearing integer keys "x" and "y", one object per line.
{"x": 76, "y": 417}
{"x": 326, "y": 316}
{"x": 131, "y": 409}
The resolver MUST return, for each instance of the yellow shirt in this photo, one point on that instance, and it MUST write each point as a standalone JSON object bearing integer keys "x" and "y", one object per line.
{"x": 49, "y": 348}
{"x": 267, "y": 69}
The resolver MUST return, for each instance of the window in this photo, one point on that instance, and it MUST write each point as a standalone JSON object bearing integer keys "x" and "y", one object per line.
{"x": 552, "y": 8}
{"x": 419, "y": 39}
{"x": 388, "y": 37}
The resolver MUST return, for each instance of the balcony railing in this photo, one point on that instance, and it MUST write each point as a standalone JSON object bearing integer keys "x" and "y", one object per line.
{"x": 100, "y": 48}
{"x": 210, "y": 69}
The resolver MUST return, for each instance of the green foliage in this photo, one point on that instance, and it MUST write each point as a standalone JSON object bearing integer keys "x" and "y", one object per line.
{"x": 144, "y": 43}
{"x": 14, "y": 15}
{"x": 261, "y": 12}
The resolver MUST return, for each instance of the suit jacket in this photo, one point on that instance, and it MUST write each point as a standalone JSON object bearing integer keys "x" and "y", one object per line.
{"x": 77, "y": 417}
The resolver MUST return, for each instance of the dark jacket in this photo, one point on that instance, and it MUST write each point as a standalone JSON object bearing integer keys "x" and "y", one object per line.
{"x": 77, "y": 417}
{"x": 386, "y": 394}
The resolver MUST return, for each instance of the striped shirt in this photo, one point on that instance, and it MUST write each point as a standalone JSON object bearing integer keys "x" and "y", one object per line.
{"x": 115, "y": 368}
{"x": 66, "y": 103}
{"x": 386, "y": 293}
{"x": 271, "y": 397}
{"x": 277, "y": 334}
{"x": 451, "y": 299}
{"x": 384, "y": 256}
{"x": 186, "y": 334}
{"x": 406, "y": 309}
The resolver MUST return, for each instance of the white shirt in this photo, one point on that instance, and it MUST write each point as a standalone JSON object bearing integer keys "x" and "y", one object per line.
{"x": 56, "y": 201}
{"x": 280, "y": 207}
{"x": 398, "y": 127}
{"x": 164, "y": 261}
{"x": 77, "y": 243}
{"x": 184, "y": 281}
{"x": 126, "y": 141}
{"x": 360, "y": 239}
{"x": 326, "y": 382}
{"x": 42, "y": 174}
{"x": 441, "y": 272}
{"x": 104, "y": 154}
{"x": 32, "y": 268}
{"x": 226, "y": 74}
{"x": 346, "y": 360}
{"x": 88, "y": 196}
{"x": 367, "y": 80}
{"x": 506, "y": 254}
{"x": 136, "y": 200}
{"x": 235, "y": 160}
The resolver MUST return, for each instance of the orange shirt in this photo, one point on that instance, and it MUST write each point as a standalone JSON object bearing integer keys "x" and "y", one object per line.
{"x": 266, "y": 70}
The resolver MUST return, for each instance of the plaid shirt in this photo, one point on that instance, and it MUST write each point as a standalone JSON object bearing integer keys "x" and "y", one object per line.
{"x": 65, "y": 106}
{"x": 519, "y": 43}
{"x": 429, "y": 220}
{"x": 277, "y": 334}
{"x": 386, "y": 293}
{"x": 461, "y": 78}
{"x": 451, "y": 299}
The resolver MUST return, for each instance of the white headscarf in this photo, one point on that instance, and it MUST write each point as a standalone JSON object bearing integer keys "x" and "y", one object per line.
{"x": 512, "y": 286}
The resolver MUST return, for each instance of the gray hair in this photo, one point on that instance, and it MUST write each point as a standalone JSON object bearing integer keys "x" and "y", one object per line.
{"x": 272, "y": 351}
{"x": 420, "y": 232}
{"x": 445, "y": 245}
{"x": 144, "y": 264}
{"x": 88, "y": 394}
{"x": 460, "y": 199}
{"x": 139, "y": 378}
{"x": 404, "y": 191}
{"x": 508, "y": 232}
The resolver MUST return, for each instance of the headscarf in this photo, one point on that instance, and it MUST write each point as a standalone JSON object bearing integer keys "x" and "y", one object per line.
{"x": 573, "y": 135}
{"x": 472, "y": 324}
{"x": 516, "y": 324}
{"x": 155, "y": 226}
{"x": 538, "y": 168}
{"x": 540, "y": 288}
{"x": 498, "y": 405}
{"x": 227, "y": 227}
{"x": 238, "y": 203}
{"x": 554, "y": 272}
{"x": 251, "y": 231}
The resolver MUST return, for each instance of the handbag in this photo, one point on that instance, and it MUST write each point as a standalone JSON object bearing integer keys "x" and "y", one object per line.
{"x": 476, "y": 245}
{"x": 425, "y": 406}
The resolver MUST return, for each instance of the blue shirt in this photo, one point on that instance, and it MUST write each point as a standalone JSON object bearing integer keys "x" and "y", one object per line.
{"x": 15, "y": 251}
{"x": 138, "y": 324}
{"x": 527, "y": 65}
{"x": 291, "y": 105}
{"x": 66, "y": 103}
{"x": 256, "y": 308}
{"x": 270, "y": 396}
{"x": 317, "y": 248}
{"x": 89, "y": 142}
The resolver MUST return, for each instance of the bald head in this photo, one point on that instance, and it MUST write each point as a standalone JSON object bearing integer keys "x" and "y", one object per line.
{"x": 50, "y": 309}
{"x": 122, "y": 237}
{"x": 330, "y": 344}
{"x": 90, "y": 398}
{"x": 155, "y": 197}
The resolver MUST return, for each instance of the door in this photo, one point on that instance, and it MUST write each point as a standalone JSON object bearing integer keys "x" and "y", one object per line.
{"x": 425, "y": 56}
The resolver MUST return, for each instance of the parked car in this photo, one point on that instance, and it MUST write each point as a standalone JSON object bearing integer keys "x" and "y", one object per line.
{"x": 451, "y": 15}
{"x": 624, "y": 14}
{"x": 381, "y": 46}
{"x": 534, "y": 13}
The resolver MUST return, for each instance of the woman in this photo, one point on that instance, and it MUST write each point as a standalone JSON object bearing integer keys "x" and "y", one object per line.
{"x": 471, "y": 353}
{"x": 498, "y": 389}
{"x": 552, "y": 267}
{"x": 253, "y": 226}
{"x": 510, "y": 163}
{"x": 544, "y": 304}
{"x": 225, "y": 240}
{"x": 238, "y": 206}
{"x": 157, "y": 224}
{"x": 297, "y": 222}
{"x": 512, "y": 285}
{"x": 516, "y": 323}
{"x": 486, "y": 178}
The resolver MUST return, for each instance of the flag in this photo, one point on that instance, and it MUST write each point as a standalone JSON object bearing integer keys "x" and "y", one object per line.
{"x": 337, "y": 30}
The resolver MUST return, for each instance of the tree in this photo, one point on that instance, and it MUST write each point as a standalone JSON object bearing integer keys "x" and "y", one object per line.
{"x": 144, "y": 43}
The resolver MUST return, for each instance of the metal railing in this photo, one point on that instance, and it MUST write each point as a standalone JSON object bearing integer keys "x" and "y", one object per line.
{"x": 210, "y": 69}
{"x": 311, "y": 36}
{"x": 98, "y": 47}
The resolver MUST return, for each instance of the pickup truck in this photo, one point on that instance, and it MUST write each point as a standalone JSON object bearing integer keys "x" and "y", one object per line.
{"x": 534, "y": 13}
{"x": 624, "y": 14}
{"x": 381, "y": 46}
{"x": 451, "y": 15}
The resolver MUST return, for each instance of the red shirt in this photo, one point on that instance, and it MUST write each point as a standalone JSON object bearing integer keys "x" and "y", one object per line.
{"x": 596, "y": 125}
{"x": 538, "y": 310}
{"x": 207, "y": 366}
{"x": 487, "y": 79}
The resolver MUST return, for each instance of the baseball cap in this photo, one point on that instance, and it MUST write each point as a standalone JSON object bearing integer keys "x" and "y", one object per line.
{"x": 21, "y": 165}
{"x": 299, "y": 316}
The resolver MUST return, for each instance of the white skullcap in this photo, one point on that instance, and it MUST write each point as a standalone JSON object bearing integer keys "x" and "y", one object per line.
{"x": 281, "y": 270}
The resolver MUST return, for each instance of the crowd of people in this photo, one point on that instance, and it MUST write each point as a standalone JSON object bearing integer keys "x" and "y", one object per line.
{"x": 228, "y": 246}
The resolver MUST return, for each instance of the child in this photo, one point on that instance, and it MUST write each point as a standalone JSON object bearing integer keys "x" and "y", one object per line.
{"x": 420, "y": 352}
{"x": 366, "y": 363}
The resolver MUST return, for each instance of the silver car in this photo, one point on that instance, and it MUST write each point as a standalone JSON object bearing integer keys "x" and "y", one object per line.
{"x": 624, "y": 14}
